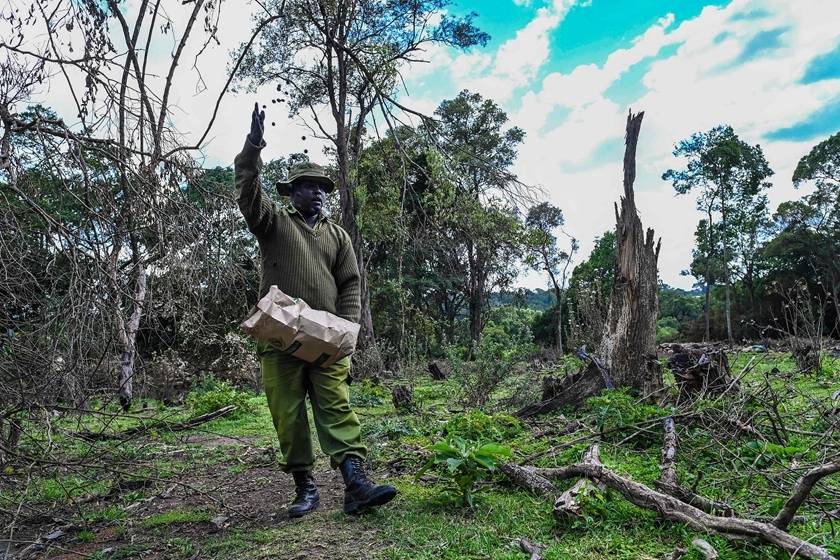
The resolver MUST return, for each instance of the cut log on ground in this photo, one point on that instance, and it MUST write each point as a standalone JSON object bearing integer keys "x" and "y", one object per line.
{"x": 158, "y": 426}
{"x": 402, "y": 398}
{"x": 571, "y": 391}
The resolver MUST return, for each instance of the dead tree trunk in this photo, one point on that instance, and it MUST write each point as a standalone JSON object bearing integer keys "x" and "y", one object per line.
{"x": 628, "y": 349}
{"x": 627, "y": 353}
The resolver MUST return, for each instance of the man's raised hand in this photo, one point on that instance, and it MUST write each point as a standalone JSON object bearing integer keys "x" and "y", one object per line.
{"x": 257, "y": 126}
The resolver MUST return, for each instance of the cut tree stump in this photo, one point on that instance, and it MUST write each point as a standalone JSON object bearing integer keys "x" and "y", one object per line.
{"x": 698, "y": 371}
{"x": 437, "y": 372}
{"x": 402, "y": 398}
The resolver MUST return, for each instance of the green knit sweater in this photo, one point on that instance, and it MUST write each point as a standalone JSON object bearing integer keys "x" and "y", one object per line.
{"x": 316, "y": 264}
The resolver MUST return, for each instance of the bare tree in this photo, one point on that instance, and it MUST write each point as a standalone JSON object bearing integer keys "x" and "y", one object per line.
{"x": 105, "y": 188}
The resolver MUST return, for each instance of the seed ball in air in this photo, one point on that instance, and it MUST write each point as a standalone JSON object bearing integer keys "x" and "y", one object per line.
{"x": 303, "y": 137}
{"x": 272, "y": 123}
{"x": 273, "y": 101}
{"x": 305, "y": 151}
{"x": 263, "y": 106}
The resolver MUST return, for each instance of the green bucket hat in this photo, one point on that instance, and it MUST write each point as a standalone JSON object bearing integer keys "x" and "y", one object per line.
{"x": 305, "y": 170}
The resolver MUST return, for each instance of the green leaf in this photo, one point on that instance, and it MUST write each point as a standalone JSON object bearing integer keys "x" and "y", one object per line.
{"x": 486, "y": 461}
{"x": 453, "y": 464}
{"x": 494, "y": 449}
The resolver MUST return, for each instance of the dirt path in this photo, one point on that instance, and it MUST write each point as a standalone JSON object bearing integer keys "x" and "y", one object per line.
{"x": 234, "y": 508}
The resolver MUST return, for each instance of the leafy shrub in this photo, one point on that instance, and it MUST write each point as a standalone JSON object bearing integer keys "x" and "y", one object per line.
{"x": 388, "y": 428}
{"x": 212, "y": 394}
{"x": 667, "y": 329}
{"x": 616, "y": 408}
{"x": 477, "y": 426}
{"x": 367, "y": 393}
{"x": 466, "y": 462}
{"x": 764, "y": 454}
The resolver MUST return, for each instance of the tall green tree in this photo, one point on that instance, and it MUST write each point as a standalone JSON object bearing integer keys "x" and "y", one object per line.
{"x": 807, "y": 240}
{"x": 335, "y": 62}
{"x": 479, "y": 151}
{"x": 723, "y": 171}
{"x": 589, "y": 291}
{"x": 544, "y": 254}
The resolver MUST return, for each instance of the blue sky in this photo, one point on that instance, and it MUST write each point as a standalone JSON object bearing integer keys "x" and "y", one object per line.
{"x": 567, "y": 71}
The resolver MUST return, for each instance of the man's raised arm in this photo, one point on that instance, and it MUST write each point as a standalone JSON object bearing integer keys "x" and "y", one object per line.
{"x": 257, "y": 209}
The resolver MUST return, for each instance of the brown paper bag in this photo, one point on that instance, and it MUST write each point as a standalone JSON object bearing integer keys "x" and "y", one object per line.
{"x": 289, "y": 324}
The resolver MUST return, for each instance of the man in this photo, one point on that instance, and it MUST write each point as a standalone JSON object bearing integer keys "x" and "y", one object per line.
{"x": 309, "y": 257}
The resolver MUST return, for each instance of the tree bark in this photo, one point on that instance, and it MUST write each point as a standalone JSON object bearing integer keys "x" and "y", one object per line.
{"x": 128, "y": 339}
{"x": 475, "y": 296}
{"x": 707, "y": 280}
{"x": 726, "y": 281}
{"x": 628, "y": 348}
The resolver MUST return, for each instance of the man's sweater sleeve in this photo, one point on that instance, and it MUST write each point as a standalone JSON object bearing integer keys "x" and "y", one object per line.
{"x": 257, "y": 209}
{"x": 348, "y": 282}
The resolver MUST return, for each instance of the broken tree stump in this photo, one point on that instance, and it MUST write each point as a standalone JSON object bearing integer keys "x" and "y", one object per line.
{"x": 627, "y": 354}
{"x": 402, "y": 398}
{"x": 698, "y": 371}
{"x": 437, "y": 372}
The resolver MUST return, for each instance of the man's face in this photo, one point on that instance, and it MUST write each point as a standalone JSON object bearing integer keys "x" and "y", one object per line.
{"x": 308, "y": 197}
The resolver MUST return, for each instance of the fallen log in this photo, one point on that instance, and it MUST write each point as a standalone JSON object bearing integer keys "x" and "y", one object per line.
{"x": 669, "y": 483}
{"x": 673, "y": 509}
{"x": 527, "y": 478}
{"x": 158, "y": 426}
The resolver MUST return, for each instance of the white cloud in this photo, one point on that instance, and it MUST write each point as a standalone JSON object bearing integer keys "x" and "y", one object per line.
{"x": 691, "y": 90}
{"x": 517, "y": 61}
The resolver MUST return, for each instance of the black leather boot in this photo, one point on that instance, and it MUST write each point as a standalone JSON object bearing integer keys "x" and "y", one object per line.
{"x": 306, "y": 494}
{"x": 360, "y": 493}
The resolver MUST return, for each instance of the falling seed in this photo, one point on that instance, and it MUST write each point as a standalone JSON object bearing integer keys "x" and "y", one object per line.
{"x": 273, "y": 101}
{"x": 263, "y": 106}
{"x": 272, "y": 123}
{"x": 303, "y": 137}
{"x": 279, "y": 87}
{"x": 305, "y": 151}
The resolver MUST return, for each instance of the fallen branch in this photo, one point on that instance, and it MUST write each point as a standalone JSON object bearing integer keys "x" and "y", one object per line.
{"x": 708, "y": 550}
{"x": 566, "y": 504}
{"x": 801, "y": 491}
{"x": 668, "y": 460}
{"x": 669, "y": 483}
{"x": 166, "y": 426}
{"x": 673, "y": 509}
{"x": 526, "y": 477}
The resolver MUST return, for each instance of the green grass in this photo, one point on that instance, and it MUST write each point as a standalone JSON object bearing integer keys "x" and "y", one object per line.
{"x": 423, "y": 523}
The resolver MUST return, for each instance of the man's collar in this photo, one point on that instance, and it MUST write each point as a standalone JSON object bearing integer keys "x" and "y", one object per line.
{"x": 292, "y": 210}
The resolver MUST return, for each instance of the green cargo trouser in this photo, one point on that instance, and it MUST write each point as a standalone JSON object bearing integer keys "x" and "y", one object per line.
{"x": 287, "y": 381}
